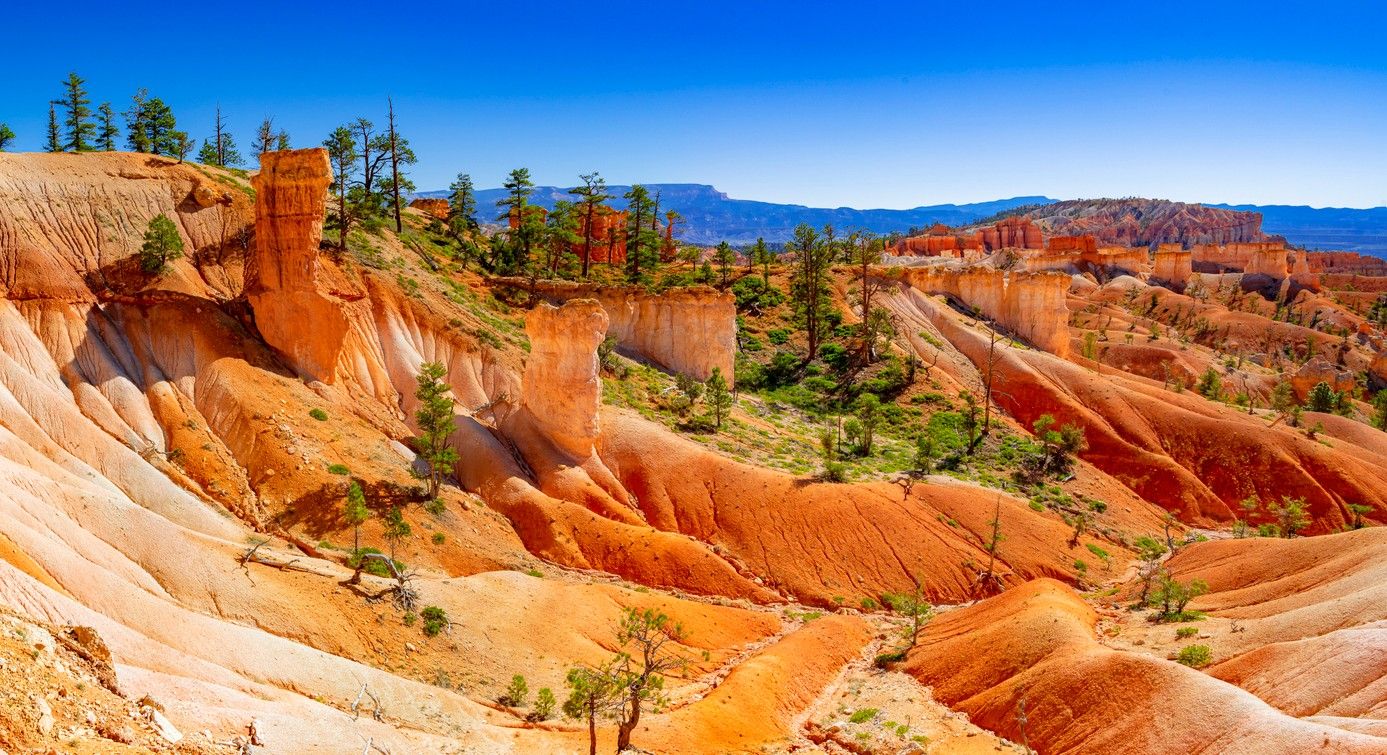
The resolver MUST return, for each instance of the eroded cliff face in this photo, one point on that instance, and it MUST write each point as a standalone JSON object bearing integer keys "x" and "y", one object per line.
{"x": 689, "y": 331}
{"x": 1030, "y": 304}
{"x": 562, "y": 389}
{"x": 1173, "y": 265}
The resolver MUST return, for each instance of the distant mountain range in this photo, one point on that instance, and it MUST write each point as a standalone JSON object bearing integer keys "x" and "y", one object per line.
{"x": 710, "y": 216}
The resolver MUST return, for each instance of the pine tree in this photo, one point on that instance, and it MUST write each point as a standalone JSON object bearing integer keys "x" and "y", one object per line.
{"x": 221, "y": 150}
{"x": 762, "y": 255}
{"x": 396, "y": 529}
{"x": 809, "y": 285}
{"x": 373, "y": 148}
{"x": 435, "y": 419}
{"x": 151, "y": 127}
{"x": 724, "y": 256}
{"x": 355, "y": 513}
{"x": 341, "y": 151}
{"x": 642, "y": 240}
{"x": 590, "y": 195}
{"x": 106, "y": 136}
{"x": 78, "y": 119}
{"x": 400, "y": 155}
{"x": 1321, "y": 398}
{"x": 55, "y": 137}
{"x": 6, "y": 136}
{"x": 719, "y": 397}
{"x": 525, "y": 227}
{"x": 560, "y": 236}
{"x": 462, "y": 203}
{"x": 162, "y": 244}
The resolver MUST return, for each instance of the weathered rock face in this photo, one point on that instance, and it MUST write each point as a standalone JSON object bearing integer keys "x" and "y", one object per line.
{"x": 939, "y": 241}
{"x": 1173, "y": 265}
{"x": 690, "y": 331}
{"x": 1012, "y": 233}
{"x": 435, "y": 208}
{"x": 1346, "y": 262}
{"x": 1104, "y": 262}
{"x": 1301, "y": 274}
{"x": 562, "y": 386}
{"x": 1031, "y": 305}
{"x": 1219, "y": 258}
{"x": 1147, "y": 222}
{"x": 291, "y": 309}
{"x": 608, "y": 235}
{"x": 1270, "y": 262}
{"x": 1318, "y": 370}
{"x": 1073, "y": 244}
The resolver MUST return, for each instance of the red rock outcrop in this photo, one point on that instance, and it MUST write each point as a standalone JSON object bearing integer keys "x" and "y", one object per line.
{"x": 1147, "y": 222}
{"x": 1087, "y": 244}
{"x": 1173, "y": 264}
{"x": 1317, "y": 371}
{"x": 1012, "y": 233}
{"x": 1219, "y": 258}
{"x": 1347, "y": 262}
{"x": 1032, "y": 305}
{"x": 562, "y": 388}
{"x": 434, "y": 208}
{"x": 689, "y": 331}
{"x": 1270, "y": 262}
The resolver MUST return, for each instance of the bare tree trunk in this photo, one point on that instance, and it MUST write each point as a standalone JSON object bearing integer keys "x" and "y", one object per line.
{"x": 395, "y": 165}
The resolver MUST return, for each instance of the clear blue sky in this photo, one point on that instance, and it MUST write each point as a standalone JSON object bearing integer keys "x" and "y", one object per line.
{"x": 865, "y": 104}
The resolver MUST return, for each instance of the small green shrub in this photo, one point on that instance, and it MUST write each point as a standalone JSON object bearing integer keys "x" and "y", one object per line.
{"x": 1195, "y": 656}
{"x": 544, "y": 706}
{"x": 435, "y": 620}
{"x": 1184, "y": 633}
{"x": 339, "y": 469}
{"x": 438, "y": 538}
{"x": 863, "y": 715}
{"x": 516, "y": 692}
{"x": 409, "y": 618}
{"x": 318, "y": 414}
{"x": 886, "y": 659}
{"x": 435, "y": 506}
{"x": 373, "y": 566}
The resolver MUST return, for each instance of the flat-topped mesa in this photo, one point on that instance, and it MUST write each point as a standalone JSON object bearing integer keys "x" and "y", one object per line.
{"x": 562, "y": 385}
{"x": 1029, "y": 304}
{"x": 690, "y": 331}
{"x": 1173, "y": 265}
{"x": 293, "y": 309}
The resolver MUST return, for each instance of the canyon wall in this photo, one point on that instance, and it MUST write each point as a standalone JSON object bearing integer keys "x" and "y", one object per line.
{"x": 689, "y": 331}
{"x": 1173, "y": 264}
{"x": 562, "y": 388}
{"x": 1346, "y": 262}
{"x": 1029, "y": 304}
{"x": 1220, "y": 258}
{"x": 1073, "y": 244}
{"x": 1012, "y": 233}
{"x": 1077, "y": 257}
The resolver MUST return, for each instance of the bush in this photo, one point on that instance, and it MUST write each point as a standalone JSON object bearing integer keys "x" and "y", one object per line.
{"x": 544, "y": 706}
{"x": 318, "y": 414}
{"x": 435, "y": 506}
{"x": 835, "y": 471}
{"x": 862, "y": 716}
{"x": 778, "y": 336}
{"x": 1184, "y": 633}
{"x": 516, "y": 692}
{"x": 1321, "y": 398}
{"x": 1195, "y": 656}
{"x": 754, "y": 293}
{"x": 373, "y": 565}
{"x": 834, "y": 355}
{"x": 885, "y": 660}
{"x": 435, "y": 620}
{"x": 438, "y": 538}
{"x": 340, "y": 469}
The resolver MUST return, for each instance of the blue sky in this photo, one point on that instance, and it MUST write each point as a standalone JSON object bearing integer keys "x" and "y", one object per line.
{"x": 866, "y": 104}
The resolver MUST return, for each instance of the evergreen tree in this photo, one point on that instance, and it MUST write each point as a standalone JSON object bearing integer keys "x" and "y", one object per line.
{"x": 373, "y": 149}
{"x": 1379, "y": 404}
{"x": 864, "y": 250}
{"x": 6, "y": 136}
{"x": 762, "y": 255}
{"x": 80, "y": 129}
{"x": 809, "y": 284}
{"x": 435, "y": 419}
{"x": 355, "y": 513}
{"x": 719, "y": 397}
{"x": 162, "y": 244}
{"x": 724, "y": 256}
{"x": 221, "y": 150}
{"x": 642, "y": 240}
{"x": 341, "y": 151}
{"x": 525, "y": 227}
{"x": 560, "y": 236}
{"x": 590, "y": 195}
{"x": 151, "y": 127}
{"x": 106, "y": 136}
{"x": 1321, "y": 398}
{"x": 400, "y": 156}
{"x": 462, "y": 204}
{"x": 180, "y": 144}
{"x": 55, "y": 137}
{"x": 396, "y": 529}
